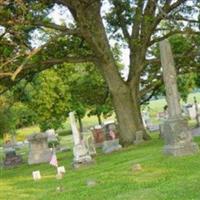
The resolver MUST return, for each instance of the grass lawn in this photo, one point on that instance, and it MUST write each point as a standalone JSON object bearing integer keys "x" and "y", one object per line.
{"x": 162, "y": 178}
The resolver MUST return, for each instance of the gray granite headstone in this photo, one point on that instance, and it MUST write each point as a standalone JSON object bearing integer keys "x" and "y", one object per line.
{"x": 39, "y": 151}
{"x": 111, "y": 145}
{"x": 11, "y": 158}
{"x": 139, "y": 137}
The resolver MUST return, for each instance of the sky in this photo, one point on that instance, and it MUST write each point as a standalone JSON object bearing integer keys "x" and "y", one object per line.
{"x": 62, "y": 16}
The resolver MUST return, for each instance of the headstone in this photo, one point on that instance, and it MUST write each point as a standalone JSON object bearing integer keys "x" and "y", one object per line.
{"x": 178, "y": 139}
{"x": 80, "y": 152}
{"x": 139, "y": 137}
{"x": 51, "y": 135}
{"x": 90, "y": 145}
{"x": 111, "y": 145}
{"x": 38, "y": 149}
{"x": 148, "y": 123}
{"x": 36, "y": 175}
{"x": 91, "y": 183}
{"x": 111, "y": 131}
{"x": 136, "y": 167}
{"x": 11, "y": 158}
{"x": 52, "y": 139}
{"x": 99, "y": 135}
{"x": 61, "y": 170}
{"x": 112, "y": 142}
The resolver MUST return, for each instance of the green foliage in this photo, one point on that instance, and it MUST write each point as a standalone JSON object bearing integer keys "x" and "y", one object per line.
{"x": 8, "y": 120}
{"x": 25, "y": 116}
{"x": 89, "y": 92}
{"x": 183, "y": 48}
{"x": 186, "y": 84}
{"x": 64, "y": 132}
{"x": 49, "y": 100}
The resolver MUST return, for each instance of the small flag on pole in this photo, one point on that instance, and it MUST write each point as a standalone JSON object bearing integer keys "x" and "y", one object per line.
{"x": 53, "y": 160}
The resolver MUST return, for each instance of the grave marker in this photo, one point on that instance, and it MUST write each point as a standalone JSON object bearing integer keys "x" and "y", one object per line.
{"x": 178, "y": 139}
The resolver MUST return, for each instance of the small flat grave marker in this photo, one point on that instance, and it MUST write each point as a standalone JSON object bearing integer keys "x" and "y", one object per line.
{"x": 61, "y": 170}
{"x": 36, "y": 175}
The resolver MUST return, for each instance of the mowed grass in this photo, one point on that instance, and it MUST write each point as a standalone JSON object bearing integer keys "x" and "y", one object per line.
{"x": 162, "y": 177}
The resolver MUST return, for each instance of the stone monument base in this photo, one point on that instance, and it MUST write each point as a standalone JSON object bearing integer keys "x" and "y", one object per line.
{"x": 181, "y": 149}
{"x": 38, "y": 157}
{"x": 81, "y": 156}
{"x": 178, "y": 138}
{"x": 111, "y": 145}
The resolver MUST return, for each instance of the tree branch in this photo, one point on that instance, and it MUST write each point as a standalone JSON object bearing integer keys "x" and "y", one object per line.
{"x": 172, "y": 33}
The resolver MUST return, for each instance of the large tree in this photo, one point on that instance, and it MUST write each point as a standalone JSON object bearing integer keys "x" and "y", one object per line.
{"x": 140, "y": 24}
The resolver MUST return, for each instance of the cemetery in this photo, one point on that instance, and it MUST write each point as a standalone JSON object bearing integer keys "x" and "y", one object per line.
{"x": 99, "y": 100}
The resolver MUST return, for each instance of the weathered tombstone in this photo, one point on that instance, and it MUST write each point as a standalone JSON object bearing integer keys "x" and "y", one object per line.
{"x": 52, "y": 139}
{"x": 38, "y": 149}
{"x": 91, "y": 183}
{"x": 112, "y": 141}
{"x": 178, "y": 139}
{"x": 11, "y": 158}
{"x": 136, "y": 167}
{"x": 148, "y": 123}
{"x": 36, "y": 175}
{"x": 81, "y": 155}
{"x": 51, "y": 135}
{"x": 98, "y": 135}
{"x": 61, "y": 170}
{"x": 90, "y": 145}
{"x": 139, "y": 137}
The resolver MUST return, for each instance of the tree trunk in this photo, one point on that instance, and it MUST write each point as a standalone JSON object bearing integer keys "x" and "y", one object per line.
{"x": 128, "y": 114}
{"x": 80, "y": 123}
{"x": 125, "y": 97}
{"x": 99, "y": 119}
{"x": 137, "y": 110}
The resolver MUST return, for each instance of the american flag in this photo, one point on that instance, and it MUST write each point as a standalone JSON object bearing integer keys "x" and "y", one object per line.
{"x": 53, "y": 160}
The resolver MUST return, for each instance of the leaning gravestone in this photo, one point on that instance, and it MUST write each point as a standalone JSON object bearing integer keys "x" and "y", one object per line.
{"x": 112, "y": 141}
{"x": 81, "y": 155}
{"x": 178, "y": 139}
{"x": 11, "y": 158}
{"x": 39, "y": 151}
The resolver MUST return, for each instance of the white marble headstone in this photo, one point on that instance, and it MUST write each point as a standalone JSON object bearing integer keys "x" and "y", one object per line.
{"x": 36, "y": 175}
{"x": 61, "y": 170}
